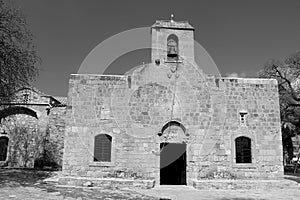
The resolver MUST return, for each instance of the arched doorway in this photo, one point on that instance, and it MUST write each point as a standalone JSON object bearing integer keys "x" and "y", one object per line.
{"x": 25, "y": 139}
{"x": 173, "y": 154}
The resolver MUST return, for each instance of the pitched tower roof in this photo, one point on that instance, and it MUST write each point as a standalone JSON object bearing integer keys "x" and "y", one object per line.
{"x": 171, "y": 24}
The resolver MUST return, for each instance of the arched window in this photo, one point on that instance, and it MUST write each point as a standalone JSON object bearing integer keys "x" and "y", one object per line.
{"x": 172, "y": 47}
{"x": 102, "y": 148}
{"x": 3, "y": 148}
{"x": 243, "y": 150}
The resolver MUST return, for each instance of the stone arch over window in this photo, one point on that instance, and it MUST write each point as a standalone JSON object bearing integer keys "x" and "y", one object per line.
{"x": 172, "y": 47}
{"x": 3, "y": 148}
{"x": 102, "y": 148}
{"x": 17, "y": 110}
{"x": 243, "y": 150}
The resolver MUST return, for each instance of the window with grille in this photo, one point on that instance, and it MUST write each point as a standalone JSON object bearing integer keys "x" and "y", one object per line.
{"x": 243, "y": 150}
{"x": 3, "y": 148}
{"x": 243, "y": 114}
{"x": 102, "y": 148}
{"x": 242, "y": 119}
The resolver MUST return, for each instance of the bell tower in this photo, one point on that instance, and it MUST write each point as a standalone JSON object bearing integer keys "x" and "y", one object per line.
{"x": 172, "y": 41}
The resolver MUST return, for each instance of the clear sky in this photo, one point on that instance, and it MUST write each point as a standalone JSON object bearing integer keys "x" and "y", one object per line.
{"x": 239, "y": 35}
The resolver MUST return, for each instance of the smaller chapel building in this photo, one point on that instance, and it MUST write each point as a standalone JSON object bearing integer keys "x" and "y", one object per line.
{"x": 169, "y": 122}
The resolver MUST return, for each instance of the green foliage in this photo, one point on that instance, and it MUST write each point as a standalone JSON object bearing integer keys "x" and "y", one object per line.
{"x": 27, "y": 146}
{"x": 18, "y": 58}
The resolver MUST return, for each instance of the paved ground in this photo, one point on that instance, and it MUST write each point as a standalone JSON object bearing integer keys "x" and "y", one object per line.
{"x": 28, "y": 184}
{"x": 187, "y": 193}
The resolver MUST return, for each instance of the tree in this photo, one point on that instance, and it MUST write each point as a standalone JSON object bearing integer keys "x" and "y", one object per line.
{"x": 18, "y": 57}
{"x": 287, "y": 73}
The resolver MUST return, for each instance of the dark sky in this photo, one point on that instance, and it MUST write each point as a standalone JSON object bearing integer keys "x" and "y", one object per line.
{"x": 239, "y": 35}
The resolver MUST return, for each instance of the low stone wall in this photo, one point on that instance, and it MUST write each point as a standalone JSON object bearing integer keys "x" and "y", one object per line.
{"x": 244, "y": 184}
{"x": 106, "y": 182}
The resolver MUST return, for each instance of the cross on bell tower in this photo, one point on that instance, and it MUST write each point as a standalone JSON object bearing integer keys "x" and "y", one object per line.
{"x": 172, "y": 16}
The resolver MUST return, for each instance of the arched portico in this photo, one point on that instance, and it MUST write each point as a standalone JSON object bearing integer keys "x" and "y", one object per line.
{"x": 24, "y": 120}
{"x": 14, "y": 110}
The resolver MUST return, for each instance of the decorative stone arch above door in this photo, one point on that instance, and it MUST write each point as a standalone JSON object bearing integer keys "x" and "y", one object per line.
{"x": 173, "y": 132}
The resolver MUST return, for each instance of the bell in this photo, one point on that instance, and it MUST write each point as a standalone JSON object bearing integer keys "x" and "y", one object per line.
{"x": 172, "y": 52}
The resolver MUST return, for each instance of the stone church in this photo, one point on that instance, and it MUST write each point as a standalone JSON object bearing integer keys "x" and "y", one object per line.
{"x": 169, "y": 122}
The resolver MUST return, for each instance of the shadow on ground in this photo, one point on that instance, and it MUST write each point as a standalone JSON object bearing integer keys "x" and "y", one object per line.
{"x": 28, "y": 184}
{"x": 292, "y": 176}
{"x": 21, "y": 178}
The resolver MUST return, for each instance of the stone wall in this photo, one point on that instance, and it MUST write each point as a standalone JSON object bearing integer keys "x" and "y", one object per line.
{"x": 134, "y": 108}
{"x": 262, "y": 124}
{"x": 55, "y": 139}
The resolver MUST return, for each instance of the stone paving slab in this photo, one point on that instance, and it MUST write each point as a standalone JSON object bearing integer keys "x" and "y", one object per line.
{"x": 247, "y": 184}
{"x": 189, "y": 193}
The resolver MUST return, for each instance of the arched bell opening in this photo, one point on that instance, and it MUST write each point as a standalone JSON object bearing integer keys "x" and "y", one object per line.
{"x": 172, "y": 47}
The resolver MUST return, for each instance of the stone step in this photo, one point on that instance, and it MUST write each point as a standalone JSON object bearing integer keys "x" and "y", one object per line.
{"x": 174, "y": 187}
{"x": 245, "y": 184}
{"x": 106, "y": 182}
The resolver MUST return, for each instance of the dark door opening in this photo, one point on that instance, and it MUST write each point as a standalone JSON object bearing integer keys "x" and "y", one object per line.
{"x": 172, "y": 164}
{"x": 3, "y": 148}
